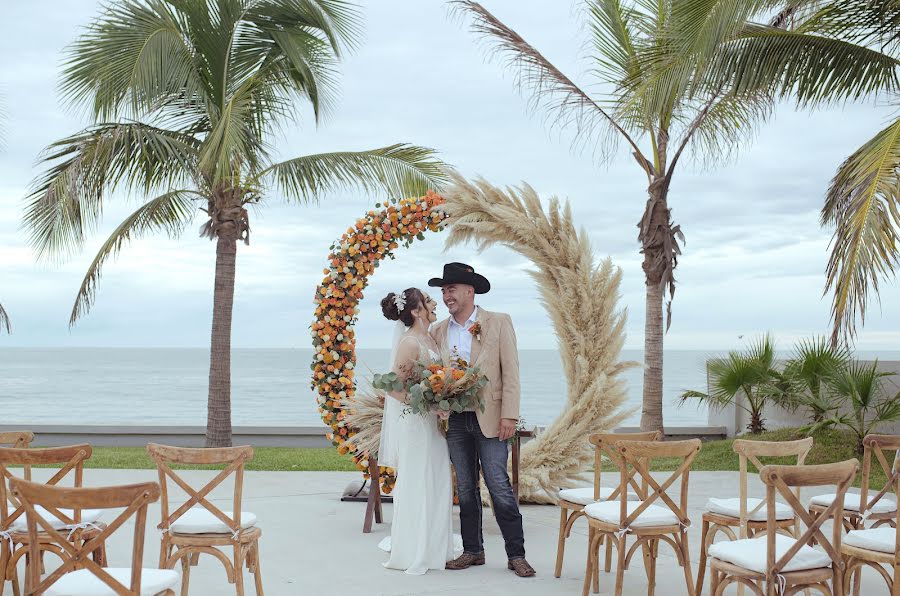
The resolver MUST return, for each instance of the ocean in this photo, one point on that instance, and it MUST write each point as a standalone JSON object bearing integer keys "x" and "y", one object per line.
{"x": 168, "y": 386}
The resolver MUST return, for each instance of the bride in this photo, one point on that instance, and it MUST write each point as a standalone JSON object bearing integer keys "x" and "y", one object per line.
{"x": 421, "y": 532}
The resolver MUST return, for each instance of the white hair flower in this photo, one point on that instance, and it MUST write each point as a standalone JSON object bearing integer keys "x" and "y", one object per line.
{"x": 400, "y": 301}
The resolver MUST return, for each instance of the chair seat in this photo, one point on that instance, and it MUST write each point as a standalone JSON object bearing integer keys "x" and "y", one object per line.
{"x": 84, "y": 583}
{"x": 881, "y": 539}
{"x": 198, "y": 520}
{"x": 732, "y": 508}
{"x": 750, "y": 553}
{"x": 585, "y": 495}
{"x": 87, "y": 516}
{"x": 851, "y": 503}
{"x": 653, "y": 515}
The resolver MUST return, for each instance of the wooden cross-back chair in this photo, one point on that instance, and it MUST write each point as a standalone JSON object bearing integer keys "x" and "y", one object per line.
{"x": 197, "y": 525}
{"x": 780, "y": 565}
{"x": 573, "y": 500}
{"x": 864, "y": 506}
{"x": 81, "y": 525}
{"x": 654, "y": 519}
{"x": 78, "y": 574}
{"x": 875, "y": 547}
{"x": 747, "y": 514}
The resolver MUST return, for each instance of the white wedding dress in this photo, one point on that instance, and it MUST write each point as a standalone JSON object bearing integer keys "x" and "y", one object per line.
{"x": 422, "y": 527}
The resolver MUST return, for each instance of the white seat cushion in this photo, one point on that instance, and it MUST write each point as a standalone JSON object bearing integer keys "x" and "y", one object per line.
{"x": 585, "y": 495}
{"x": 750, "y": 553}
{"x": 880, "y": 539}
{"x": 87, "y": 516}
{"x": 85, "y": 583}
{"x": 732, "y": 508}
{"x": 199, "y": 520}
{"x": 886, "y": 504}
{"x": 653, "y": 515}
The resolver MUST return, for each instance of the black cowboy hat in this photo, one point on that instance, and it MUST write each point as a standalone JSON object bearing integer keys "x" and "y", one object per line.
{"x": 460, "y": 273}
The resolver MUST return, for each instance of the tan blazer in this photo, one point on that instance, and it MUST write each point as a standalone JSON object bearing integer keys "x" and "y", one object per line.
{"x": 497, "y": 357}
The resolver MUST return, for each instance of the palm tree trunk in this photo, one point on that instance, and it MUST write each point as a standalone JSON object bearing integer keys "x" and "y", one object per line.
{"x": 218, "y": 409}
{"x": 651, "y": 412}
{"x": 657, "y": 247}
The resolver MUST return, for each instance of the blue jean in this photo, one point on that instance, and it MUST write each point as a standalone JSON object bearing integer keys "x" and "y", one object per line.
{"x": 471, "y": 452}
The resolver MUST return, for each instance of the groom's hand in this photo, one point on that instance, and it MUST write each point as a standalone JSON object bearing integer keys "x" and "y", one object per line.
{"x": 507, "y": 428}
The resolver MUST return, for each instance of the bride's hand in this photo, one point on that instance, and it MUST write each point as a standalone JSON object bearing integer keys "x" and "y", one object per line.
{"x": 443, "y": 415}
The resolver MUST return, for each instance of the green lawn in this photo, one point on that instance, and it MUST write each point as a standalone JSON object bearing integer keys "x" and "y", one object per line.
{"x": 265, "y": 458}
{"x": 830, "y": 446}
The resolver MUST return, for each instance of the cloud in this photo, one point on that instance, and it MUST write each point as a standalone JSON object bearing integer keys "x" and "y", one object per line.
{"x": 753, "y": 262}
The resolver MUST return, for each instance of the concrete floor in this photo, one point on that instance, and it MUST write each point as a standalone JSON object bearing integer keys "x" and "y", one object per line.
{"x": 312, "y": 543}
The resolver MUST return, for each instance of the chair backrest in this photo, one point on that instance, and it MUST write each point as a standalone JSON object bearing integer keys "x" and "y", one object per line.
{"x": 877, "y": 445}
{"x": 233, "y": 458}
{"x": 134, "y": 498}
{"x": 605, "y": 444}
{"x": 751, "y": 452}
{"x": 780, "y": 480}
{"x": 18, "y": 439}
{"x": 70, "y": 458}
{"x": 637, "y": 456}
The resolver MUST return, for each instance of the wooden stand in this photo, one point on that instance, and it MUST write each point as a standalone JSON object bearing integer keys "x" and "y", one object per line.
{"x": 373, "y": 504}
{"x": 516, "y": 449}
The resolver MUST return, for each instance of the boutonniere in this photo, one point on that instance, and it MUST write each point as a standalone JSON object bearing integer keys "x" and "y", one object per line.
{"x": 475, "y": 330}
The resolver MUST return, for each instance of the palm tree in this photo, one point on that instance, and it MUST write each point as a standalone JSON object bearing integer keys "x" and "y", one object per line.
{"x": 823, "y": 52}
{"x": 4, "y": 320}
{"x": 649, "y": 58}
{"x": 751, "y": 375}
{"x": 860, "y": 386}
{"x": 186, "y": 96}
{"x": 808, "y": 373}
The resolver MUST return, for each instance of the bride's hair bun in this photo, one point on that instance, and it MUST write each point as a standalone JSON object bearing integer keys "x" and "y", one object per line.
{"x": 389, "y": 307}
{"x": 411, "y": 299}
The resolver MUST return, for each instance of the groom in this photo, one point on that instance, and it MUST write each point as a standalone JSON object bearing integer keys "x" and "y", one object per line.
{"x": 477, "y": 440}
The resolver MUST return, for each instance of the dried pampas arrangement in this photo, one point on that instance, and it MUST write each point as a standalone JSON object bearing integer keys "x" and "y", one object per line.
{"x": 582, "y": 299}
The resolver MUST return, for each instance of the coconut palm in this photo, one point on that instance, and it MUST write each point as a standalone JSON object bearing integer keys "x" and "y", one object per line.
{"x": 186, "y": 97}
{"x": 746, "y": 380}
{"x": 648, "y": 59}
{"x": 827, "y": 51}
{"x": 808, "y": 373}
{"x": 860, "y": 387}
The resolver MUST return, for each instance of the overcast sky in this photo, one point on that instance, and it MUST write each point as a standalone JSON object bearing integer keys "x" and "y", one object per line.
{"x": 755, "y": 254}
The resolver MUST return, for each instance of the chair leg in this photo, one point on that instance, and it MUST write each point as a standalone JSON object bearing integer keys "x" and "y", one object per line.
{"x": 596, "y": 565}
{"x": 239, "y": 569}
{"x": 561, "y": 546}
{"x": 701, "y": 571}
{"x": 257, "y": 574}
{"x": 185, "y": 575}
{"x": 4, "y": 563}
{"x": 620, "y": 564}
{"x": 686, "y": 559}
{"x": 593, "y": 560}
{"x": 653, "y": 552}
{"x": 608, "y": 562}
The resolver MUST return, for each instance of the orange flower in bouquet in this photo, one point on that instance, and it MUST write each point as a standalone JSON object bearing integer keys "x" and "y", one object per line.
{"x": 438, "y": 388}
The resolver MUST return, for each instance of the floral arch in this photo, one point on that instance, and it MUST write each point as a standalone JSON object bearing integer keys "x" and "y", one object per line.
{"x": 580, "y": 295}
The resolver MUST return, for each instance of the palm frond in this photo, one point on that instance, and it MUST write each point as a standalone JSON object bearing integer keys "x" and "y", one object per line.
{"x": 66, "y": 200}
{"x": 812, "y": 68}
{"x": 4, "y": 320}
{"x": 863, "y": 205}
{"x": 399, "y": 170}
{"x": 170, "y": 212}
{"x": 131, "y": 59}
{"x": 548, "y": 89}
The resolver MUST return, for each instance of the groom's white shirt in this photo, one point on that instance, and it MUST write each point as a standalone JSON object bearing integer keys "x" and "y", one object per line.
{"x": 459, "y": 340}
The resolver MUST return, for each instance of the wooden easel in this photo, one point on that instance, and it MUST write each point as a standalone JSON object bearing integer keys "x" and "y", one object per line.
{"x": 373, "y": 503}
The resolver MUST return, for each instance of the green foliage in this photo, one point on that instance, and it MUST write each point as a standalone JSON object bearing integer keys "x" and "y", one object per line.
{"x": 751, "y": 374}
{"x": 860, "y": 387}
{"x": 809, "y": 372}
{"x": 187, "y": 98}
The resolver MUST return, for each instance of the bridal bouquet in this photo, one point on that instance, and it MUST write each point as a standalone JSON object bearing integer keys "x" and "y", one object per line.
{"x": 437, "y": 388}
